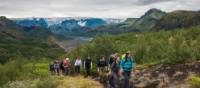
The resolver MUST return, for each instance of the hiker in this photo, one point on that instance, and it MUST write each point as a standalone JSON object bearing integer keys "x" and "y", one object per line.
{"x": 57, "y": 67}
{"x": 65, "y": 66}
{"x": 61, "y": 67}
{"x": 51, "y": 68}
{"x": 101, "y": 66}
{"x": 112, "y": 59}
{"x": 87, "y": 65}
{"x": 126, "y": 66}
{"x": 114, "y": 79}
{"x": 77, "y": 65}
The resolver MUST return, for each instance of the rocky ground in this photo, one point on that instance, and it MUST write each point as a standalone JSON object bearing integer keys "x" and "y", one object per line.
{"x": 171, "y": 76}
{"x": 162, "y": 76}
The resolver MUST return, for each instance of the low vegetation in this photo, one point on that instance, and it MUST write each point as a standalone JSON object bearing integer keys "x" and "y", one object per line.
{"x": 164, "y": 47}
{"x": 195, "y": 82}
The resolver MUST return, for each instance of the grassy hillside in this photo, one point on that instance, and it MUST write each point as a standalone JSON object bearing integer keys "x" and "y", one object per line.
{"x": 26, "y": 43}
{"x": 24, "y": 74}
{"x": 21, "y": 49}
{"x": 178, "y": 19}
{"x": 6, "y": 29}
{"x": 164, "y": 47}
{"x": 148, "y": 20}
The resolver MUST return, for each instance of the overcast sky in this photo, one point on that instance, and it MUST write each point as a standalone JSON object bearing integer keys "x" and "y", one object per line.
{"x": 90, "y": 8}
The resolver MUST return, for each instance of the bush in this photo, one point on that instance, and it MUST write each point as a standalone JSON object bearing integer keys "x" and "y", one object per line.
{"x": 195, "y": 82}
{"x": 23, "y": 70}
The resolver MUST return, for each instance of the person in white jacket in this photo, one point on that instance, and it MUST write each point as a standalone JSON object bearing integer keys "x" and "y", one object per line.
{"x": 77, "y": 64}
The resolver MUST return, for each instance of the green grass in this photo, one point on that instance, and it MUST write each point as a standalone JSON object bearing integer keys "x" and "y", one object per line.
{"x": 195, "y": 82}
{"x": 31, "y": 49}
{"x": 20, "y": 70}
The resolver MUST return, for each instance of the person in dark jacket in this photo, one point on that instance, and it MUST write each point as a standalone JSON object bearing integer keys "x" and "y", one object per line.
{"x": 114, "y": 79}
{"x": 57, "y": 67}
{"x": 101, "y": 66}
{"x": 88, "y": 65}
{"x": 112, "y": 59}
{"x": 62, "y": 68}
{"x": 51, "y": 68}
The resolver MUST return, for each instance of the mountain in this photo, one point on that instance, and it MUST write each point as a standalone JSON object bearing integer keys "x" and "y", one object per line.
{"x": 130, "y": 20}
{"x": 81, "y": 21}
{"x": 178, "y": 19}
{"x": 148, "y": 20}
{"x": 28, "y": 22}
{"x": 82, "y": 26}
{"x": 66, "y": 26}
{"x": 25, "y": 42}
{"x": 69, "y": 26}
{"x": 75, "y": 25}
{"x": 144, "y": 23}
{"x": 11, "y": 29}
{"x": 8, "y": 28}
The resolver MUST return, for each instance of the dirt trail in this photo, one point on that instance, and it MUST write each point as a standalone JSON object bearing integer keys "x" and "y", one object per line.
{"x": 160, "y": 76}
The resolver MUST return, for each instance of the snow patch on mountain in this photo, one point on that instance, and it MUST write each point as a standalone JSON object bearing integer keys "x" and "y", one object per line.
{"x": 82, "y": 23}
{"x": 113, "y": 21}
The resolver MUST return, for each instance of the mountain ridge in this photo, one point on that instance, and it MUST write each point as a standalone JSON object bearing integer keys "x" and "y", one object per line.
{"x": 177, "y": 19}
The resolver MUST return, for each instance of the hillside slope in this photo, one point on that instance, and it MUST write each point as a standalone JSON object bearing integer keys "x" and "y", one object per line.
{"x": 148, "y": 20}
{"x": 9, "y": 28}
{"x": 177, "y": 19}
{"x": 144, "y": 23}
{"x": 17, "y": 41}
{"x": 177, "y": 46}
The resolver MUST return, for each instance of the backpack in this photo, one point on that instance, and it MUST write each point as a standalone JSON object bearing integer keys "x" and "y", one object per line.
{"x": 61, "y": 66}
{"x": 102, "y": 62}
{"x": 56, "y": 66}
{"x": 111, "y": 60}
{"x": 127, "y": 65}
{"x": 87, "y": 62}
{"x": 51, "y": 66}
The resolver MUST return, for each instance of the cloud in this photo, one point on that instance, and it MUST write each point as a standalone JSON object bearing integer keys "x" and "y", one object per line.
{"x": 146, "y": 2}
{"x": 90, "y": 8}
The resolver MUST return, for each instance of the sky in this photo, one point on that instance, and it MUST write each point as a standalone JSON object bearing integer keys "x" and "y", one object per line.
{"x": 90, "y": 8}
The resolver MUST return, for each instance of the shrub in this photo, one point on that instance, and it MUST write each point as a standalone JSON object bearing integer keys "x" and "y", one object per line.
{"x": 195, "y": 82}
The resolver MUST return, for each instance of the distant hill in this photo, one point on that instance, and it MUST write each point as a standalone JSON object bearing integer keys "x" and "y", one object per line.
{"x": 37, "y": 32}
{"x": 148, "y": 20}
{"x": 178, "y": 19}
{"x": 26, "y": 42}
{"x": 66, "y": 26}
{"x": 31, "y": 22}
{"x": 144, "y": 23}
{"x": 9, "y": 28}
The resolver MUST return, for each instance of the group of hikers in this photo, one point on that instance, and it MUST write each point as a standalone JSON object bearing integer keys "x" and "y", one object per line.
{"x": 118, "y": 67}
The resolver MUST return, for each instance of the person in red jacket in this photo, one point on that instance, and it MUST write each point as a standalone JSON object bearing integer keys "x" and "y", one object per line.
{"x": 66, "y": 65}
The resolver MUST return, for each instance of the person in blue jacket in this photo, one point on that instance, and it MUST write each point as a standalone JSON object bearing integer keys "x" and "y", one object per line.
{"x": 126, "y": 65}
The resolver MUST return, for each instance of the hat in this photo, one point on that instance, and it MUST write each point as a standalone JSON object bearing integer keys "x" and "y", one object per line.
{"x": 128, "y": 52}
{"x": 67, "y": 58}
